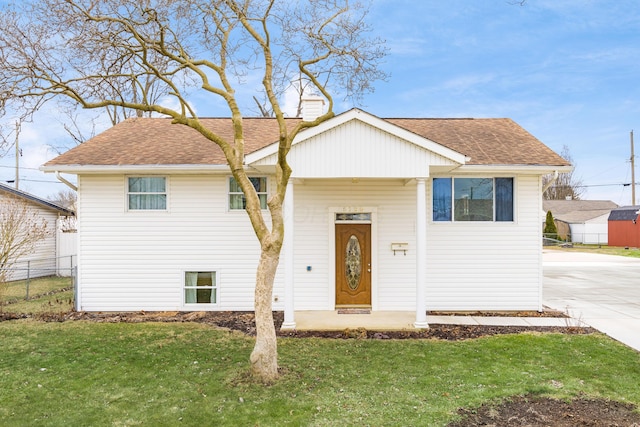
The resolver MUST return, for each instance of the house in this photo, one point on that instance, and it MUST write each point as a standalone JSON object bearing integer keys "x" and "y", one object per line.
{"x": 581, "y": 221}
{"x": 45, "y": 259}
{"x": 390, "y": 214}
{"x": 623, "y": 227}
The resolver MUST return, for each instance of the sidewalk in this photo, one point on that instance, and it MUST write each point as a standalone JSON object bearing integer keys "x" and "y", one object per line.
{"x": 403, "y": 320}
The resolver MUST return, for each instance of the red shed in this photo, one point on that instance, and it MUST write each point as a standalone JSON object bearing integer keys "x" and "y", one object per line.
{"x": 624, "y": 229}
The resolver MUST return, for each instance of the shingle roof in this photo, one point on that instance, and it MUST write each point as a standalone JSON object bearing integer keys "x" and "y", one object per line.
{"x": 156, "y": 141}
{"x": 578, "y": 211}
{"x": 35, "y": 199}
{"x": 486, "y": 141}
{"x": 625, "y": 213}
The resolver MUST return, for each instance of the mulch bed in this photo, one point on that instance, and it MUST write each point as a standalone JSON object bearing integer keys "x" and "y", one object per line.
{"x": 532, "y": 411}
{"x": 244, "y": 322}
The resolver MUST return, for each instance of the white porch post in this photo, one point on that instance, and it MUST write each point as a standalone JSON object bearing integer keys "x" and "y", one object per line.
{"x": 421, "y": 255}
{"x": 289, "y": 321}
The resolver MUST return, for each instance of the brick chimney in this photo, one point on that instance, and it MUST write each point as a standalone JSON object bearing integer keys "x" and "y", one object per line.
{"x": 312, "y": 107}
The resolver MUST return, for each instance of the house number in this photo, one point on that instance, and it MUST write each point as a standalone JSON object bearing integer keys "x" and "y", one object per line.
{"x": 352, "y": 210}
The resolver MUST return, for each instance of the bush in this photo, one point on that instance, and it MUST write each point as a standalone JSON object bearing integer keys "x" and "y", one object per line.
{"x": 550, "y": 229}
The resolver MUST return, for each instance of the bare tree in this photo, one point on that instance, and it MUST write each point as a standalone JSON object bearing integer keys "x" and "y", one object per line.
{"x": 21, "y": 229}
{"x": 81, "y": 129}
{"x": 566, "y": 186}
{"x": 65, "y": 198}
{"x": 82, "y": 49}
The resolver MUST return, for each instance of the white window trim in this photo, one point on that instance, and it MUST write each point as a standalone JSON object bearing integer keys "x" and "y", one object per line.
{"x": 229, "y": 193}
{"x": 200, "y": 306}
{"x": 126, "y": 193}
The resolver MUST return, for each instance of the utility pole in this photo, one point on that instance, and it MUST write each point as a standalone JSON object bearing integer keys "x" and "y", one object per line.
{"x": 17, "y": 156}
{"x": 633, "y": 174}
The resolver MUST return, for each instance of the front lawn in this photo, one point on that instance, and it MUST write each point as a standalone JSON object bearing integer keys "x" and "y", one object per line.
{"x": 118, "y": 374}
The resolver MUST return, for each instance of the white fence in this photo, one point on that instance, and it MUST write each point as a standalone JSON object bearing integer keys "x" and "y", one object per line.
{"x": 66, "y": 249}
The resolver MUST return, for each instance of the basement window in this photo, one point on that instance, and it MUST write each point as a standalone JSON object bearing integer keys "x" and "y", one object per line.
{"x": 200, "y": 287}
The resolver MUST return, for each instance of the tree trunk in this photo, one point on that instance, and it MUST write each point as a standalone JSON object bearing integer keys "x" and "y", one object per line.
{"x": 264, "y": 357}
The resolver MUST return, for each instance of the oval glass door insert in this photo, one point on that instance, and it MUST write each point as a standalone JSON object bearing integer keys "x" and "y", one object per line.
{"x": 353, "y": 263}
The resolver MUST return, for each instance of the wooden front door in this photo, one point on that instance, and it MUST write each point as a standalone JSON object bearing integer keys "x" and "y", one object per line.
{"x": 353, "y": 264}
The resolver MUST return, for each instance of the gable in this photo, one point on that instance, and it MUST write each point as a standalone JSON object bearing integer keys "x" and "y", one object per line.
{"x": 357, "y": 148}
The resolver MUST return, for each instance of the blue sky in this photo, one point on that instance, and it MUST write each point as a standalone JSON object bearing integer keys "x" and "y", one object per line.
{"x": 568, "y": 71}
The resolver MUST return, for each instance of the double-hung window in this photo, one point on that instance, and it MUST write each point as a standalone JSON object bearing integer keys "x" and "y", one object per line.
{"x": 237, "y": 200}
{"x": 200, "y": 287}
{"x": 473, "y": 199}
{"x": 147, "y": 193}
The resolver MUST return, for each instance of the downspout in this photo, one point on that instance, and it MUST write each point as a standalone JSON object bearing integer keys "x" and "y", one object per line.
{"x": 67, "y": 183}
{"x": 76, "y": 284}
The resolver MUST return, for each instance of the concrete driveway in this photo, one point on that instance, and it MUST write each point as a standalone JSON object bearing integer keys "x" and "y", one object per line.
{"x": 602, "y": 291}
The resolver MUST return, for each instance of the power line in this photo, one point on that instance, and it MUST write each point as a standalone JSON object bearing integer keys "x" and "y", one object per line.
{"x": 21, "y": 167}
{"x": 624, "y": 184}
{"x": 30, "y": 180}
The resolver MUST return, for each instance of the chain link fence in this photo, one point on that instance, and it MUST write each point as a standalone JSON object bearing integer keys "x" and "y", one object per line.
{"x": 37, "y": 277}
{"x": 600, "y": 239}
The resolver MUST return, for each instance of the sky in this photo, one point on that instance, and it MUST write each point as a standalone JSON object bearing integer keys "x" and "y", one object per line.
{"x": 568, "y": 71}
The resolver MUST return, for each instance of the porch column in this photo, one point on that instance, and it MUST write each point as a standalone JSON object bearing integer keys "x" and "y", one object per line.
{"x": 421, "y": 255}
{"x": 289, "y": 321}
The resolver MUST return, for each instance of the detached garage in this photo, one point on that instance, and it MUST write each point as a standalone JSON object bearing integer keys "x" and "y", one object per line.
{"x": 623, "y": 226}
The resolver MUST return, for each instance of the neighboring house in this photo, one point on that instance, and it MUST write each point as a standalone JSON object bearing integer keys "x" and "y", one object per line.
{"x": 44, "y": 261}
{"x": 623, "y": 227}
{"x": 391, "y": 214}
{"x": 581, "y": 221}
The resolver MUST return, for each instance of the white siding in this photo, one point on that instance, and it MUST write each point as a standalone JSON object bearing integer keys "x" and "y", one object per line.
{"x": 471, "y": 266}
{"x": 42, "y": 261}
{"x": 136, "y": 260}
{"x": 488, "y": 266}
{"x": 393, "y": 276}
{"x": 356, "y": 149}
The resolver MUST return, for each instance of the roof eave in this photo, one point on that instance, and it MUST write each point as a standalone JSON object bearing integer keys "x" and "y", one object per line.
{"x": 125, "y": 169}
{"x": 517, "y": 168}
{"x": 37, "y": 200}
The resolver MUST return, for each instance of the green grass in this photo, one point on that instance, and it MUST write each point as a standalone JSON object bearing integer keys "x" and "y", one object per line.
{"x": 599, "y": 249}
{"x": 37, "y": 286}
{"x": 14, "y": 293}
{"x": 99, "y": 374}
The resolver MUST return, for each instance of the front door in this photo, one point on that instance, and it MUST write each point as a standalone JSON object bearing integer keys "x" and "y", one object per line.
{"x": 353, "y": 264}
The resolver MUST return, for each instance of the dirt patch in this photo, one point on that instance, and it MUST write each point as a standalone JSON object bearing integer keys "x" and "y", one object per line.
{"x": 542, "y": 412}
{"x": 518, "y": 411}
